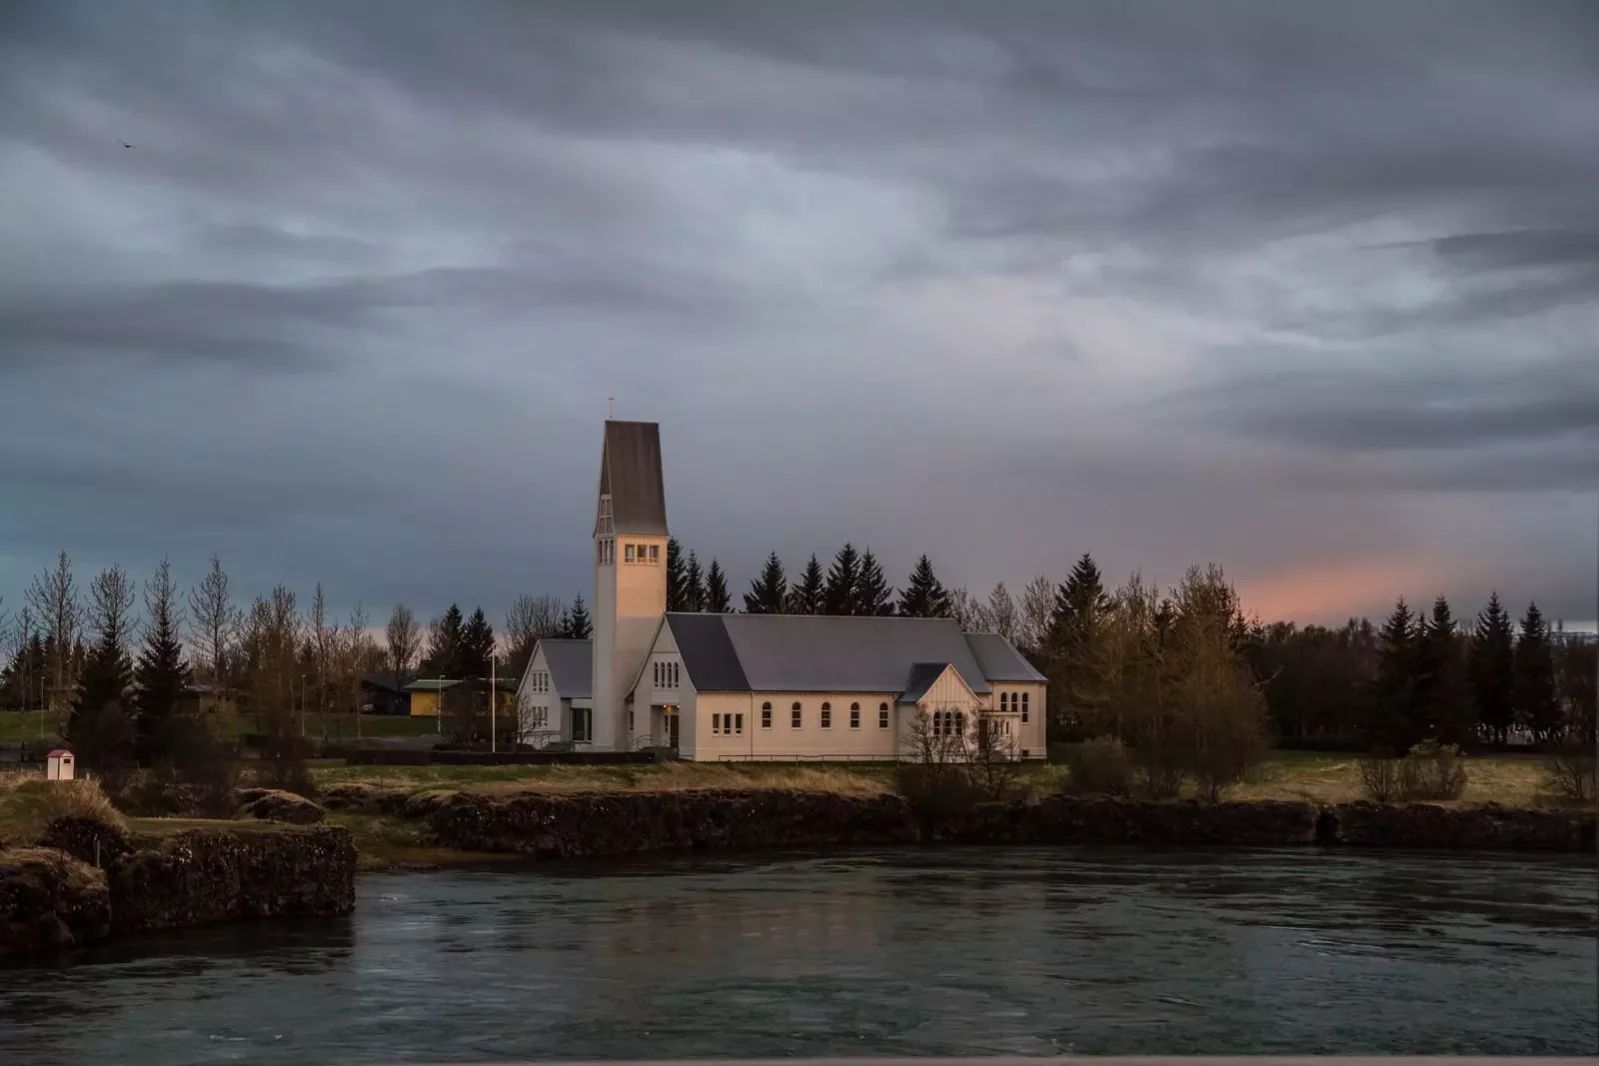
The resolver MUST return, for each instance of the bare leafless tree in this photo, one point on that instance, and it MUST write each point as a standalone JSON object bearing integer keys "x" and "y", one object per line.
{"x": 1001, "y": 614}
{"x": 404, "y": 640}
{"x": 54, "y": 599}
{"x": 991, "y": 757}
{"x": 1037, "y": 608}
{"x": 215, "y": 624}
{"x": 967, "y": 611}
{"x": 354, "y": 657}
{"x": 112, "y": 595}
{"x": 272, "y": 637}
{"x": 324, "y": 639}
{"x": 529, "y": 620}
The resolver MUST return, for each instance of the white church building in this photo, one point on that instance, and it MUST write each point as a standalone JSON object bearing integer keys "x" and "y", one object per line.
{"x": 753, "y": 686}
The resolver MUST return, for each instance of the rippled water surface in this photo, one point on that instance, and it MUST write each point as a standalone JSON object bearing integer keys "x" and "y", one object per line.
{"x": 900, "y": 953}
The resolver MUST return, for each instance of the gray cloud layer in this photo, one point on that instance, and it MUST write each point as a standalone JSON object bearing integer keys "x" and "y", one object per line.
{"x": 1309, "y": 290}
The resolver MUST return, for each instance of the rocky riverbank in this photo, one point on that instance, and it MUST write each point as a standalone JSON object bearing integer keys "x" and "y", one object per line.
{"x": 86, "y": 880}
{"x": 592, "y": 824}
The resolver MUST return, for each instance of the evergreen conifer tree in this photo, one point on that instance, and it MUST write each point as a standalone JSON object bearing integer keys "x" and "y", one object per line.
{"x": 1395, "y": 685}
{"x": 1537, "y": 709}
{"x": 808, "y": 595}
{"x": 873, "y": 594}
{"x": 97, "y": 724}
{"x": 1075, "y": 665}
{"x": 1492, "y": 669}
{"x": 924, "y": 595}
{"x": 768, "y": 593}
{"x": 839, "y": 595}
{"x": 1443, "y": 705}
{"x": 477, "y": 645}
{"x": 160, "y": 675}
{"x": 677, "y": 590}
{"x": 717, "y": 599}
{"x": 579, "y": 625}
{"x": 446, "y": 646}
{"x": 693, "y": 585}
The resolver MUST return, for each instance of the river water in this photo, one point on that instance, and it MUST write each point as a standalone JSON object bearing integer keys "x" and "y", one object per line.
{"x": 909, "y": 952}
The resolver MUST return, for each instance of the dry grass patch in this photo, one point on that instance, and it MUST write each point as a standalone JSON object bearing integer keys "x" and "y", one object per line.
{"x": 650, "y": 777}
{"x": 29, "y": 803}
{"x": 1510, "y": 780}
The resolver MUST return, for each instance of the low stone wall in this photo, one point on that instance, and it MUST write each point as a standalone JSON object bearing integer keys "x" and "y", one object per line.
{"x": 88, "y": 880}
{"x": 623, "y": 823}
{"x": 1426, "y": 825}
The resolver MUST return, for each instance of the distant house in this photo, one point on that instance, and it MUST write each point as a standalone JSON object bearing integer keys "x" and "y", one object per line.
{"x": 386, "y": 694}
{"x": 423, "y": 694}
{"x": 203, "y": 700}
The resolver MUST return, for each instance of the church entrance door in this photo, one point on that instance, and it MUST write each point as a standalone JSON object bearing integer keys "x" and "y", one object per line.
{"x": 671, "y": 729}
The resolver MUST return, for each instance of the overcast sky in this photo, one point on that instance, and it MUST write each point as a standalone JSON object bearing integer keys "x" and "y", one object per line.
{"x": 1309, "y": 290}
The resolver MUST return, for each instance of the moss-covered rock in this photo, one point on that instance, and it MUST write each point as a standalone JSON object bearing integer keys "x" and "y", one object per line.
{"x": 276, "y": 805}
{"x": 49, "y": 900}
{"x": 1429, "y": 825}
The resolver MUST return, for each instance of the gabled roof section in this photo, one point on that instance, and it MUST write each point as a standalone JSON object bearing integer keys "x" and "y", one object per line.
{"x": 816, "y": 653}
{"x": 707, "y": 652}
{"x": 923, "y": 676}
{"x": 1001, "y": 661}
{"x": 571, "y": 664}
{"x": 630, "y": 473}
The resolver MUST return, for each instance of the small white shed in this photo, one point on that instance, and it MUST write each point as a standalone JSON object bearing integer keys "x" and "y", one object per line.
{"x": 58, "y": 765}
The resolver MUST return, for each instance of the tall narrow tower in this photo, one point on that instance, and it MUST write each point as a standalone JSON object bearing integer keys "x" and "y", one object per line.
{"x": 629, "y": 570}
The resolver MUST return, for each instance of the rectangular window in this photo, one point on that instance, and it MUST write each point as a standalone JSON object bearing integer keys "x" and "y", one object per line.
{"x": 716, "y": 724}
{"x": 655, "y": 553}
{"x": 630, "y": 721}
{"x": 582, "y": 725}
{"x": 882, "y": 717}
{"x": 627, "y": 553}
{"x": 766, "y": 718}
{"x": 795, "y": 717}
{"x": 657, "y": 670}
{"x": 854, "y": 717}
{"x": 1024, "y": 708}
{"x": 738, "y": 724}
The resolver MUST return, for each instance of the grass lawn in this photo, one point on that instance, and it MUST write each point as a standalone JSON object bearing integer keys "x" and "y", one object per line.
{"x": 26, "y": 725}
{"x": 1511, "y": 780}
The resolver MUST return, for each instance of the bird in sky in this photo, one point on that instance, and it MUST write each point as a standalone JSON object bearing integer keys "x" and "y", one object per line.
{"x": 125, "y": 144}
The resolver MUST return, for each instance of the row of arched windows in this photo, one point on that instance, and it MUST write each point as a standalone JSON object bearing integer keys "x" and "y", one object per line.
{"x": 796, "y": 715}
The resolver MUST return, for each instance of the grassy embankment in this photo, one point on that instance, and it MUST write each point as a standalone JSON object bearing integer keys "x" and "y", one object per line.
{"x": 1511, "y": 780}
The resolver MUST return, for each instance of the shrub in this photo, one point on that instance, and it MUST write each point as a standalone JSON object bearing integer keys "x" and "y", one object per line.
{"x": 1097, "y": 767}
{"x": 28, "y": 808}
{"x": 1379, "y": 777}
{"x": 937, "y": 792}
{"x": 1569, "y": 774}
{"x": 1432, "y": 772}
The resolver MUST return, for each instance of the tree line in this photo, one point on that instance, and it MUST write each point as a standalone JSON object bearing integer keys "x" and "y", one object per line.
{"x": 1110, "y": 654}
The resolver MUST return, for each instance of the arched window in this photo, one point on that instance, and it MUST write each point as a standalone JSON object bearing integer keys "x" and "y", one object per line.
{"x": 827, "y": 716}
{"x": 796, "y": 717}
{"x": 854, "y": 716}
{"x": 882, "y": 716}
{"x": 766, "y": 716}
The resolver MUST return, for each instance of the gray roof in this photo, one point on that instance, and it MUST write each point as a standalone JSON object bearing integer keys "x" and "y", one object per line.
{"x": 816, "y": 653}
{"x": 922, "y": 677}
{"x": 1000, "y": 659}
{"x": 630, "y": 471}
{"x": 707, "y": 652}
{"x": 571, "y": 666}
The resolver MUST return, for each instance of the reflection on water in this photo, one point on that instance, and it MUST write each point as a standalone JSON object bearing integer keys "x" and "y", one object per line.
{"x": 1018, "y": 951}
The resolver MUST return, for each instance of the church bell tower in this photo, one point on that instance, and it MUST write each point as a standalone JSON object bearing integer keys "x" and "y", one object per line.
{"x": 629, "y": 571}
